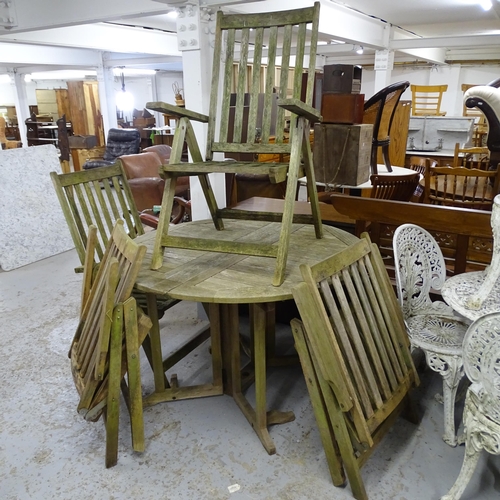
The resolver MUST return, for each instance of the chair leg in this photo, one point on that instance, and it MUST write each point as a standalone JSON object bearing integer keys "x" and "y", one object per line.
{"x": 385, "y": 155}
{"x": 320, "y": 412}
{"x": 451, "y": 369}
{"x": 113, "y": 398}
{"x": 134, "y": 374}
{"x": 471, "y": 457}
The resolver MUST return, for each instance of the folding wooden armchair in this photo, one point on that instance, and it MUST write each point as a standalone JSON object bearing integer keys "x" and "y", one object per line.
{"x": 288, "y": 36}
{"x": 97, "y": 197}
{"x": 106, "y": 344}
{"x": 355, "y": 355}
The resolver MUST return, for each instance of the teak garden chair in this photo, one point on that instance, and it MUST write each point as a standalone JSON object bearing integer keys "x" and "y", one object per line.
{"x": 106, "y": 344}
{"x": 290, "y": 38}
{"x": 355, "y": 355}
{"x": 97, "y": 197}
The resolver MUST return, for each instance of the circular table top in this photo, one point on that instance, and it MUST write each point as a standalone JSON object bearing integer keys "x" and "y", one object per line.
{"x": 203, "y": 276}
{"x": 457, "y": 289}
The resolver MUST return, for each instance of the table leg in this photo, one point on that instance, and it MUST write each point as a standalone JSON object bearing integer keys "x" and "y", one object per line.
{"x": 171, "y": 392}
{"x": 259, "y": 418}
{"x": 155, "y": 341}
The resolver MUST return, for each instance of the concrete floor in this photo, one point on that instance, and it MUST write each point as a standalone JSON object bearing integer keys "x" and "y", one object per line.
{"x": 194, "y": 449}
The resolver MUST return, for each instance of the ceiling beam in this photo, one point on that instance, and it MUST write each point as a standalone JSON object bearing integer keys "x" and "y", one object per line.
{"x": 24, "y": 54}
{"x": 35, "y": 15}
{"x": 102, "y": 36}
{"x": 446, "y": 41}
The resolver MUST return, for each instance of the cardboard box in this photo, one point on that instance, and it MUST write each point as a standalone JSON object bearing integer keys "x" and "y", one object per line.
{"x": 82, "y": 141}
{"x": 342, "y": 153}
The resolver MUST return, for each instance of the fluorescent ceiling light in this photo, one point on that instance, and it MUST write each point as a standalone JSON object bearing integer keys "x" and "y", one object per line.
{"x": 174, "y": 14}
{"x": 485, "y": 4}
{"x": 69, "y": 74}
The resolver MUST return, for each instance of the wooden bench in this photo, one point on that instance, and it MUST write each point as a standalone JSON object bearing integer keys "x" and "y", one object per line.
{"x": 464, "y": 235}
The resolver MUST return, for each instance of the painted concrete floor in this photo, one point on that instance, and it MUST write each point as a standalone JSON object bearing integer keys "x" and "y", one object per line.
{"x": 195, "y": 449}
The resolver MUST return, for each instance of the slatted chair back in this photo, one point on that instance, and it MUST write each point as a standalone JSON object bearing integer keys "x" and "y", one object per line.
{"x": 394, "y": 187}
{"x": 353, "y": 340}
{"x": 379, "y": 110}
{"x": 97, "y": 197}
{"x": 426, "y": 100}
{"x": 106, "y": 343}
{"x": 255, "y": 108}
{"x": 461, "y": 187}
{"x": 474, "y": 157}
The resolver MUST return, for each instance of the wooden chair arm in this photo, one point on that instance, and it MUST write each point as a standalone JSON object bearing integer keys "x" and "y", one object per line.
{"x": 301, "y": 108}
{"x": 171, "y": 109}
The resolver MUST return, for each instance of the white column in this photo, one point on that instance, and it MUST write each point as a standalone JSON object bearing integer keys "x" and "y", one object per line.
{"x": 384, "y": 64}
{"x": 107, "y": 99}
{"x": 194, "y": 37}
{"x": 20, "y": 102}
{"x": 155, "y": 96}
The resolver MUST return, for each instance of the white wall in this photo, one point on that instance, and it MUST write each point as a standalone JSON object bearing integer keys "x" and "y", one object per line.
{"x": 453, "y": 75}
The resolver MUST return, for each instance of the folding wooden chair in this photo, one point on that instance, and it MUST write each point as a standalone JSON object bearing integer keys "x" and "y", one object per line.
{"x": 355, "y": 355}
{"x": 106, "y": 344}
{"x": 290, "y": 38}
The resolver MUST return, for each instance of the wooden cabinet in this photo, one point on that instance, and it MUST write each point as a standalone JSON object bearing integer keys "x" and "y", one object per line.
{"x": 85, "y": 108}
{"x": 54, "y": 103}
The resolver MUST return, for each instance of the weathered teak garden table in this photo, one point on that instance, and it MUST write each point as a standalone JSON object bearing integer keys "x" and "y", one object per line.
{"x": 223, "y": 281}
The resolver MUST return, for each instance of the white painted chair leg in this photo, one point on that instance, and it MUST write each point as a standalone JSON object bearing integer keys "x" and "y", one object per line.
{"x": 468, "y": 467}
{"x": 451, "y": 369}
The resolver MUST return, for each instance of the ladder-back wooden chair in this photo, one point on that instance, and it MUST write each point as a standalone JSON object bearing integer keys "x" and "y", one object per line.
{"x": 471, "y": 157}
{"x": 461, "y": 187}
{"x": 426, "y": 100}
{"x": 291, "y": 38}
{"x": 379, "y": 110}
{"x": 106, "y": 344}
{"x": 355, "y": 355}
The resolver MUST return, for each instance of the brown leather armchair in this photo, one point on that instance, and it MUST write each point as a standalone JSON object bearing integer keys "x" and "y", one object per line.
{"x": 143, "y": 176}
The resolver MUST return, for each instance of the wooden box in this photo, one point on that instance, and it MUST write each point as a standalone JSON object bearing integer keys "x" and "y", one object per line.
{"x": 342, "y": 108}
{"x": 342, "y": 153}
